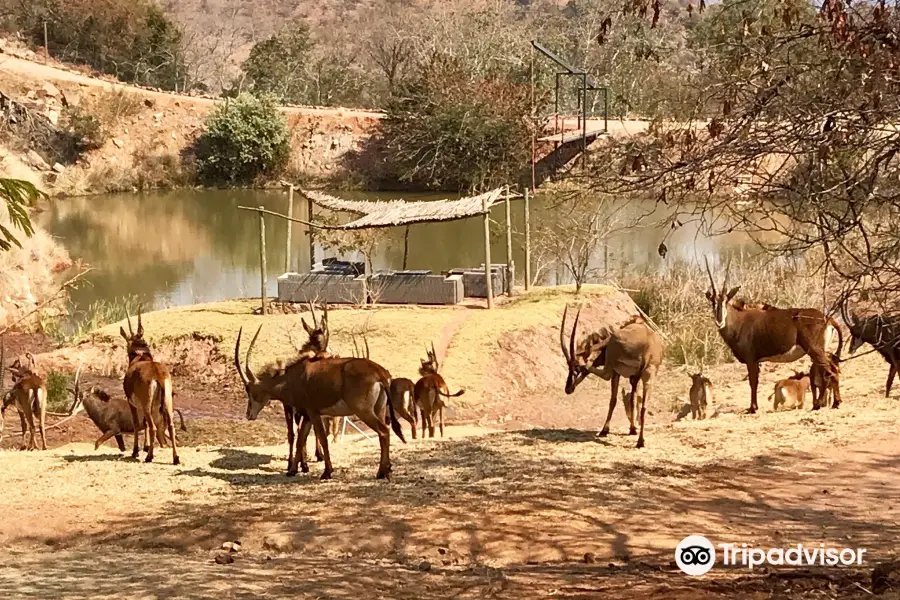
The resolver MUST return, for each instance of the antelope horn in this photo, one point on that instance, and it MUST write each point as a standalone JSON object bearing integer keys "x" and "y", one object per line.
{"x": 128, "y": 317}
{"x": 312, "y": 311}
{"x": 727, "y": 275}
{"x": 30, "y": 357}
{"x": 562, "y": 336}
{"x": 366, "y": 340}
{"x": 237, "y": 358}
{"x": 574, "y": 332}
{"x": 434, "y": 355}
{"x": 250, "y": 374}
{"x": 325, "y": 325}
{"x": 76, "y": 392}
{"x": 140, "y": 326}
{"x": 709, "y": 272}
{"x": 355, "y": 347}
{"x": 2, "y": 365}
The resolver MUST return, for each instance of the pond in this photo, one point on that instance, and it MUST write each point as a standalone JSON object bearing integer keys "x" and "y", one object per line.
{"x": 190, "y": 246}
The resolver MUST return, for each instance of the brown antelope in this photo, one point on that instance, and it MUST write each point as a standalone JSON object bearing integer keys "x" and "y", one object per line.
{"x": 882, "y": 332}
{"x": 790, "y": 393}
{"x": 700, "y": 395}
{"x": 402, "y": 390}
{"x": 29, "y": 396}
{"x": 633, "y": 351}
{"x": 111, "y": 415}
{"x": 148, "y": 389}
{"x": 335, "y": 387}
{"x": 824, "y": 380}
{"x": 757, "y": 335}
{"x": 430, "y": 391}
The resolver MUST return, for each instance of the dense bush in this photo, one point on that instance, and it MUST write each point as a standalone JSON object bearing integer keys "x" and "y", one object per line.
{"x": 131, "y": 39}
{"x": 447, "y": 131}
{"x": 244, "y": 139}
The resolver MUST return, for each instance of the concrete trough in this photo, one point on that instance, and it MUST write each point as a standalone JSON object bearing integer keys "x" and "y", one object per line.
{"x": 474, "y": 284}
{"x": 416, "y": 287}
{"x": 334, "y": 288}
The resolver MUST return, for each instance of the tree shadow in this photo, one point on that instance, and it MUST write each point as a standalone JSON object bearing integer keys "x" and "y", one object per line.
{"x": 566, "y": 435}
{"x": 88, "y": 458}
{"x": 236, "y": 459}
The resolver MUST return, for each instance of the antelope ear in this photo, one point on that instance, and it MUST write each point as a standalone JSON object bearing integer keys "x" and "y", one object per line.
{"x": 709, "y": 295}
{"x": 306, "y": 326}
{"x": 123, "y": 334}
{"x": 731, "y": 293}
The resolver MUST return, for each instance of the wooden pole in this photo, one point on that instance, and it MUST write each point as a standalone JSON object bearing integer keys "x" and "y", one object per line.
{"x": 309, "y": 232}
{"x": 46, "y": 43}
{"x": 527, "y": 239}
{"x": 487, "y": 253}
{"x": 510, "y": 263}
{"x": 262, "y": 258}
{"x": 290, "y": 225}
{"x": 405, "y": 247}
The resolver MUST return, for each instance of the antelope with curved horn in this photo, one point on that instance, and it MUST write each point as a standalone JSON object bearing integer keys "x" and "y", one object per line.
{"x": 430, "y": 391}
{"x": 402, "y": 389}
{"x": 772, "y": 334}
{"x": 334, "y": 387}
{"x": 882, "y": 332}
{"x": 148, "y": 389}
{"x": 633, "y": 351}
{"x": 29, "y": 396}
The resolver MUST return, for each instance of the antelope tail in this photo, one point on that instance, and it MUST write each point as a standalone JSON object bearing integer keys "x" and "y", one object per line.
{"x": 181, "y": 418}
{"x": 840, "y": 335}
{"x": 395, "y": 424}
{"x": 447, "y": 394}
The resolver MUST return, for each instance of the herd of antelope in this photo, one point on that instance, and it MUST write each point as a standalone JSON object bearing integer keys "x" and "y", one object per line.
{"x": 316, "y": 388}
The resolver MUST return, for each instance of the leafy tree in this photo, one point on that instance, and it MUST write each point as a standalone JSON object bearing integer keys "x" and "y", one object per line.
{"x": 444, "y": 130}
{"x": 131, "y": 39}
{"x": 244, "y": 139}
{"x": 18, "y": 195}
{"x": 277, "y": 65}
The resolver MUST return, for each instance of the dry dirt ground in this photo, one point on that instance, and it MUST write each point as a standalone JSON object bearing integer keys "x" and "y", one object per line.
{"x": 480, "y": 513}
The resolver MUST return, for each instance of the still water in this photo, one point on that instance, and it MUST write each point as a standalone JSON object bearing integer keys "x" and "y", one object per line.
{"x": 189, "y": 246}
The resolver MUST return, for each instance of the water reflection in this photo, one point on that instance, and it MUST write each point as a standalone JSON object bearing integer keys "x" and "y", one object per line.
{"x": 188, "y": 246}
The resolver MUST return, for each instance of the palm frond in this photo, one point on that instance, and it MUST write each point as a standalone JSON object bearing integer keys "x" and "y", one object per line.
{"x": 19, "y": 195}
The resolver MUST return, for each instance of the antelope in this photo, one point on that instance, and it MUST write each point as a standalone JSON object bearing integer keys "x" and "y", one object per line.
{"x": 700, "y": 395}
{"x": 790, "y": 393}
{"x": 332, "y": 386}
{"x": 29, "y": 396}
{"x": 823, "y": 380}
{"x": 148, "y": 389}
{"x": 633, "y": 351}
{"x": 756, "y": 335}
{"x": 882, "y": 332}
{"x": 112, "y": 416}
{"x": 402, "y": 391}
{"x": 430, "y": 391}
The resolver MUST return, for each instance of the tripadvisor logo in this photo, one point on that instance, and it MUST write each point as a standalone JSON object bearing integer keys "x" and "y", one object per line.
{"x": 696, "y": 555}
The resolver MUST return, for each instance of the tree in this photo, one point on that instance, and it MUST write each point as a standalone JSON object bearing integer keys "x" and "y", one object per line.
{"x": 18, "y": 195}
{"x": 276, "y": 65}
{"x": 244, "y": 139}
{"x": 447, "y": 131}
{"x": 803, "y": 132}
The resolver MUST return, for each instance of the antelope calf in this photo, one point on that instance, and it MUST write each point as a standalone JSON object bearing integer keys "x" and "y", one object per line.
{"x": 790, "y": 393}
{"x": 633, "y": 351}
{"x": 700, "y": 395}
{"x": 430, "y": 391}
{"x": 148, "y": 389}
{"x": 823, "y": 380}
{"x": 29, "y": 396}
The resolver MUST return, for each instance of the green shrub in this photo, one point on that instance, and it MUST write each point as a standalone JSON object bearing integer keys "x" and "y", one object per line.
{"x": 76, "y": 324}
{"x": 244, "y": 139}
{"x": 86, "y": 129}
{"x": 58, "y": 397}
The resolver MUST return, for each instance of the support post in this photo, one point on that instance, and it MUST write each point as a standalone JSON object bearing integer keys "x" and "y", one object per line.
{"x": 405, "y": 247}
{"x": 287, "y": 244}
{"x": 583, "y": 96}
{"x": 46, "y": 42}
{"x": 527, "y": 239}
{"x": 262, "y": 258}
{"x": 487, "y": 253}
{"x": 510, "y": 263}
{"x": 309, "y": 232}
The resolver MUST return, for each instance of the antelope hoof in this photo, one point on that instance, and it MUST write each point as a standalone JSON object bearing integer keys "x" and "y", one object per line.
{"x": 146, "y": 448}
{"x": 384, "y": 474}
{"x": 326, "y": 475}
{"x": 149, "y": 458}
{"x": 303, "y": 469}
{"x": 835, "y": 405}
{"x": 751, "y": 411}
{"x": 640, "y": 443}
{"x": 603, "y": 432}
{"x": 134, "y": 454}
{"x": 632, "y": 430}
{"x": 176, "y": 460}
